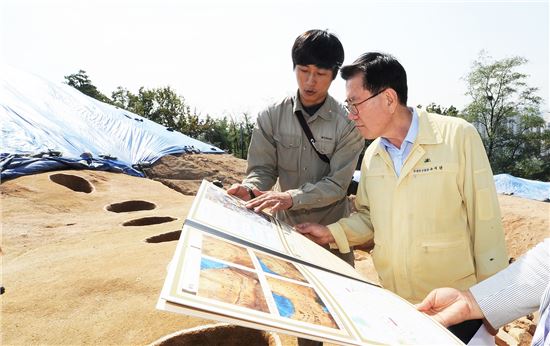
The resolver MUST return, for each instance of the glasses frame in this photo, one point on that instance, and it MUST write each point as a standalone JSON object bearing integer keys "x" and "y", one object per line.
{"x": 352, "y": 107}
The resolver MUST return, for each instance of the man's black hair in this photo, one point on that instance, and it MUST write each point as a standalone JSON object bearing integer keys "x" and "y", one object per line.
{"x": 379, "y": 71}
{"x": 319, "y": 48}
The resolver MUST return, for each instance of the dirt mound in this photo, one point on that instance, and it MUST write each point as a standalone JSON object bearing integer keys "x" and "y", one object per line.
{"x": 73, "y": 272}
{"x": 85, "y": 253}
{"x": 526, "y": 223}
{"x": 184, "y": 173}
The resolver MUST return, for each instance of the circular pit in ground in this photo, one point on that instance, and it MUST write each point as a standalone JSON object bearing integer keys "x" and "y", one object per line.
{"x": 129, "y": 206}
{"x": 147, "y": 221}
{"x": 161, "y": 238}
{"x": 219, "y": 334}
{"x": 73, "y": 182}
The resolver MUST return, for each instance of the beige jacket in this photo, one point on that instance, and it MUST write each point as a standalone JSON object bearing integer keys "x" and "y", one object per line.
{"x": 437, "y": 224}
{"x": 281, "y": 157}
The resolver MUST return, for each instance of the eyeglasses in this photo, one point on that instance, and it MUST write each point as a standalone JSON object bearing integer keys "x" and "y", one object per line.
{"x": 352, "y": 107}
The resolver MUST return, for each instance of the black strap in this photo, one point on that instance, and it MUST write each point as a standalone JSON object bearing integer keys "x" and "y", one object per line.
{"x": 308, "y": 133}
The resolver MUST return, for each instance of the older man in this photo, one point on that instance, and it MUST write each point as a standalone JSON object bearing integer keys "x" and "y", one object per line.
{"x": 426, "y": 193}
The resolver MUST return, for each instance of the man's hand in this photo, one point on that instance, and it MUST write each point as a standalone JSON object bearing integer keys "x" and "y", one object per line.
{"x": 270, "y": 199}
{"x": 315, "y": 232}
{"x": 450, "y": 306}
{"x": 240, "y": 191}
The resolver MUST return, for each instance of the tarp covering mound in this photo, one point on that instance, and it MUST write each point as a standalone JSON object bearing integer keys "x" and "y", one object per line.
{"x": 532, "y": 189}
{"x": 48, "y": 126}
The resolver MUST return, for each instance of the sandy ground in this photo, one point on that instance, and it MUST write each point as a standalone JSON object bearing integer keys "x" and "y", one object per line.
{"x": 185, "y": 173}
{"x": 74, "y": 273}
{"x": 526, "y": 223}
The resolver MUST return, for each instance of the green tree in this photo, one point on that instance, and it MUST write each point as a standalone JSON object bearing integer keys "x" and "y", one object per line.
{"x": 247, "y": 129}
{"x": 231, "y": 133}
{"x": 82, "y": 82}
{"x": 218, "y": 134}
{"x": 435, "y": 108}
{"x": 166, "y": 107}
{"x": 239, "y": 133}
{"x": 161, "y": 105}
{"x": 123, "y": 98}
{"x": 506, "y": 111}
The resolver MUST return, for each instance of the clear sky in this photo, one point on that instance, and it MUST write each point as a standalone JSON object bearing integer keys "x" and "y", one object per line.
{"x": 229, "y": 57}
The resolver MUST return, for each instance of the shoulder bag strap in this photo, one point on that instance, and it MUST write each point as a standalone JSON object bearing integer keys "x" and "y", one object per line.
{"x": 308, "y": 133}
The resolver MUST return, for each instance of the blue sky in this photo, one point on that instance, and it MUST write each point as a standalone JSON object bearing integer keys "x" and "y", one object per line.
{"x": 229, "y": 57}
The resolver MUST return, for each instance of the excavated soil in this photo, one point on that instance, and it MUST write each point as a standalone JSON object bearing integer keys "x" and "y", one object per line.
{"x": 85, "y": 253}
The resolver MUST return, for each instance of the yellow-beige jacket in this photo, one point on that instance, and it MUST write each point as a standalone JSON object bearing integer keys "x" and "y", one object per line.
{"x": 437, "y": 224}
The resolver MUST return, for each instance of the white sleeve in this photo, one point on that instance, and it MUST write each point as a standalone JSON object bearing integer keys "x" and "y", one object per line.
{"x": 517, "y": 290}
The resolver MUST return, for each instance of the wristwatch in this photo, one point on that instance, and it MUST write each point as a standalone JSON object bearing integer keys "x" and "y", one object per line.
{"x": 250, "y": 193}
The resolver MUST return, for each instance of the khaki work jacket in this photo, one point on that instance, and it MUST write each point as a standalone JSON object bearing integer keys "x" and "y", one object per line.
{"x": 281, "y": 157}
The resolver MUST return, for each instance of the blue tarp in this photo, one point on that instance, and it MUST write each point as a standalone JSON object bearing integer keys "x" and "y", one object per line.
{"x": 532, "y": 189}
{"x": 47, "y": 126}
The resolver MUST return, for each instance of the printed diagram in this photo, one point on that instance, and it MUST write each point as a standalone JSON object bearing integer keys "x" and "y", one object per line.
{"x": 276, "y": 266}
{"x": 226, "y": 251}
{"x": 236, "y": 205}
{"x": 300, "y": 302}
{"x": 228, "y": 274}
{"x": 231, "y": 285}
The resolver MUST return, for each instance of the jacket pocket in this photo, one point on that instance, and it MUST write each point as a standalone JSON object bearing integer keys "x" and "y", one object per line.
{"x": 288, "y": 152}
{"x": 379, "y": 184}
{"x": 443, "y": 259}
{"x": 484, "y": 204}
{"x": 325, "y": 146}
{"x": 442, "y": 207}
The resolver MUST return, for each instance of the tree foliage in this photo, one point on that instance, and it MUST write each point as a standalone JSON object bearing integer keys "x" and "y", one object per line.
{"x": 504, "y": 109}
{"x": 164, "y": 106}
{"x": 82, "y": 82}
{"x": 507, "y": 113}
{"x": 435, "y": 108}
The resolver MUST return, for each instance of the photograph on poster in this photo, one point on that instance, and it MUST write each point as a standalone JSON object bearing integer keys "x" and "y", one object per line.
{"x": 226, "y": 251}
{"x": 280, "y": 267}
{"x": 232, "y": 285}
{"x": 300, "y": 302}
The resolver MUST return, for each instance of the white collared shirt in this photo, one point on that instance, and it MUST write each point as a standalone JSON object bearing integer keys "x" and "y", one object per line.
{"x": 399, "y": 155}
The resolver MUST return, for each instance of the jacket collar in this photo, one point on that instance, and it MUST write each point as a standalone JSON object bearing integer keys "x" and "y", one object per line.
{"x": 428, "y": 132}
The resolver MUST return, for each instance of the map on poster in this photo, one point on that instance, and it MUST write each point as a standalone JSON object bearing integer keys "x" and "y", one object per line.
{"x": 234, "y": 265}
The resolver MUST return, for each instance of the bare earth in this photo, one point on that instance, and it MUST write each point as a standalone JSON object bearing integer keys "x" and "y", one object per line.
{"x": 76, "y": 273}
